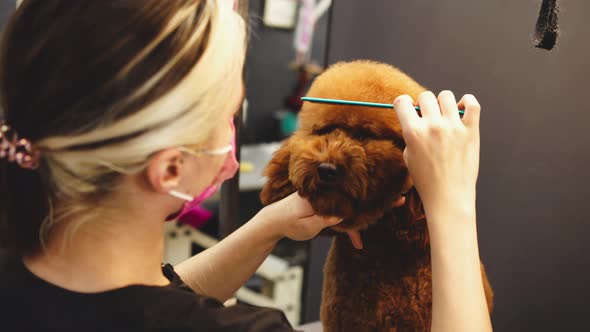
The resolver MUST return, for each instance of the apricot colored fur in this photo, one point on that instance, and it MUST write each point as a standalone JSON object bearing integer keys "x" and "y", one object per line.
{"x": 387, "y": 285}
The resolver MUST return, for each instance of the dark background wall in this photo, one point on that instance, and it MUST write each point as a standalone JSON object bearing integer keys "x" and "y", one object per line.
{"x": 533, "y": 210}
{"x": 6, "y": 8}
{"x": 268, "y": 77}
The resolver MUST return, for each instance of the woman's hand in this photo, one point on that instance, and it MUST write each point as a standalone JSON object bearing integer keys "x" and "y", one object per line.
{"x": 222, "y": 269}
{"x": 294, "y": 218}
{"x": 442, "y": 154}
{"x": 442, "y": 150}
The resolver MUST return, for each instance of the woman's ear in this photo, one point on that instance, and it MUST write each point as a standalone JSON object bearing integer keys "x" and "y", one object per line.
{"x": 278, "y": 185}
{"x": 164, "y": 170}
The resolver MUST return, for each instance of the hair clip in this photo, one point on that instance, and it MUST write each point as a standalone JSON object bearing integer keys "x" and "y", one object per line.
{"x": 15, "y": 150}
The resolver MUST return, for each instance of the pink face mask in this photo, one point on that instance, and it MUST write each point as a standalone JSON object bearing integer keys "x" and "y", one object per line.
{"x": 191, "y": 208}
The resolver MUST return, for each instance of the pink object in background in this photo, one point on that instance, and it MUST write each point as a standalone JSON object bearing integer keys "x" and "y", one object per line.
{"x": 310, "y": 12}
{"x": 304, "y": 30}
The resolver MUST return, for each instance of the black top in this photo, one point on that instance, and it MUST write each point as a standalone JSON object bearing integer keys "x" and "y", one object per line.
{"x": 28, "y": 303}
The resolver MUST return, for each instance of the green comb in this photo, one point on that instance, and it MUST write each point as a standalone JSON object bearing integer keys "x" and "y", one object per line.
{"x": 354, "y": 103}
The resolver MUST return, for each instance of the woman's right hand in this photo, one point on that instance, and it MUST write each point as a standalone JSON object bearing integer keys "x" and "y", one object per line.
{"x": 442, "y": 154}
{"x": 442, "y": 150}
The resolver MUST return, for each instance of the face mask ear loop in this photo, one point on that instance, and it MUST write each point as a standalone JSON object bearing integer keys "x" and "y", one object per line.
{"x": 180, "y": 195}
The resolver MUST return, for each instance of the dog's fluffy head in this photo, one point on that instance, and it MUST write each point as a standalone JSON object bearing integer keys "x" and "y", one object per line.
{"x": 347, "y": 160}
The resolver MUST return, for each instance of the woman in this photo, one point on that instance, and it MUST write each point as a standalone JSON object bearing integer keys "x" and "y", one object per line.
{"x": 123, "y": 110}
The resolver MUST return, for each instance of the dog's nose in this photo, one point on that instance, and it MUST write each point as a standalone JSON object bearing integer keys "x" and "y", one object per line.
{"x": 327, "y": 172}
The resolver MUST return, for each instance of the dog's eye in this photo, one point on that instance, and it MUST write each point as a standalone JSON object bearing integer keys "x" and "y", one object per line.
{"x": 325, "y": 130}
{"x": 363, "y": 134}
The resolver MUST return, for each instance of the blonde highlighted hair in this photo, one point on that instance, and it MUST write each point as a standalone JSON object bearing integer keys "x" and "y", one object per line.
{"x": 158, "y": 78}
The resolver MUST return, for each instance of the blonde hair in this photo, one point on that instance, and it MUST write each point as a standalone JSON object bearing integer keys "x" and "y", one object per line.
{"x": 81, "y": 166}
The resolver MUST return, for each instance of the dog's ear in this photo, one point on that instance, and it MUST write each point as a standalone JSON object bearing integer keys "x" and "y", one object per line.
{"x": 413, "y": 220}
{"x": 415, "y": 209}
{"x": 277, "y": 185}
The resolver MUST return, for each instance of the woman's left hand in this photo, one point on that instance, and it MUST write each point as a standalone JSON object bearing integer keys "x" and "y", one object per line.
{"x": 293, "y": 217}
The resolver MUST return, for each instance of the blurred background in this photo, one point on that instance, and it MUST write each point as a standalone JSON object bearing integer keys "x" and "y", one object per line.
{"x": 533, "y": 218}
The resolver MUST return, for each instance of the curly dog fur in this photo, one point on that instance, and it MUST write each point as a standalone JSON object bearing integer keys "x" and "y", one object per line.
{"x": 386, "y": 286}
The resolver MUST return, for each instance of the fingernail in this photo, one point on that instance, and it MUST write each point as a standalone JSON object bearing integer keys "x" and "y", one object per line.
{"x": 398, "y": 99}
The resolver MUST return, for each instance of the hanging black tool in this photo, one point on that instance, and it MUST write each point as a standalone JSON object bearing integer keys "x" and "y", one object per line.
{"x": 547, "y": 27}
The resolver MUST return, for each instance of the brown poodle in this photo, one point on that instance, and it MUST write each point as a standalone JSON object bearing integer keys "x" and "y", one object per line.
{"x": 347, "y": 161}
